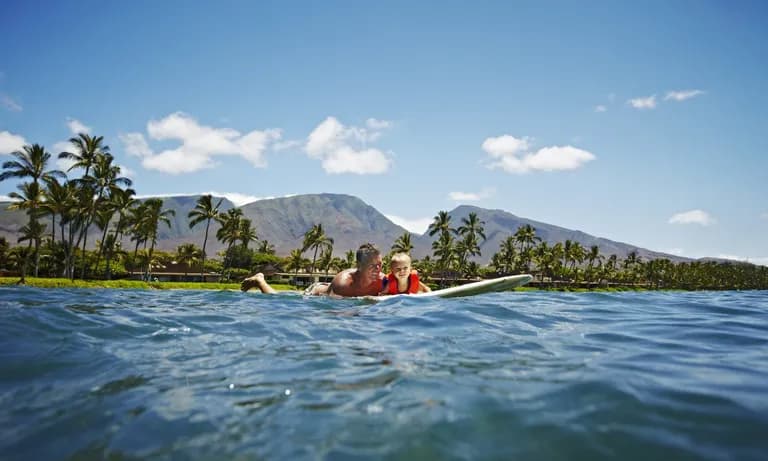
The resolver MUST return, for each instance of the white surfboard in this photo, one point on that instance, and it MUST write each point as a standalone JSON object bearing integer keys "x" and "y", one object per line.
{"x": 469, "y": 289}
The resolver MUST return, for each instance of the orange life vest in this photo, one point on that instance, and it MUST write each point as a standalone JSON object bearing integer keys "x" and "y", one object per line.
{"x": 413, "y": 284}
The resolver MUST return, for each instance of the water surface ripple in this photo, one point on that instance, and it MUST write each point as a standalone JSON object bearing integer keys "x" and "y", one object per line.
{"x": 96, "y": 374}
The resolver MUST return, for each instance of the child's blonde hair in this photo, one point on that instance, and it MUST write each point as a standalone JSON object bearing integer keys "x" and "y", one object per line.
{"x": 400, "y": 258}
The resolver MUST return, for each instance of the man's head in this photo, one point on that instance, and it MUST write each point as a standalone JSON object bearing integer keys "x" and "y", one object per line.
{"x": 369, "y": 259}
{"x": 400, "y": 265}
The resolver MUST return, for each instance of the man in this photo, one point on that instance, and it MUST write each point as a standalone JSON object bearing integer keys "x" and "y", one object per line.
{"x": 364, "y": 280}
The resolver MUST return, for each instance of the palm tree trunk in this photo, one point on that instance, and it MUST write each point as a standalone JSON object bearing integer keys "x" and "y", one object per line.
{"x": 149, "y": 260}
{"x": 101, "y": 246}
{"x": 314, "y": 258}
{"x": 37, "y": 256}
{"x": 108, "y": 259}
{"x": 205, "y": 241}
{"x": 25, "y": 264}
{"x": 53, "y": 228}
{"x": 85, "y": 240}
{"x": 71, "y": 248}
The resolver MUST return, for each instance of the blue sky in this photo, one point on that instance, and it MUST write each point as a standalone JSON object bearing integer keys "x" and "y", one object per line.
{"x": 640, "y": 123}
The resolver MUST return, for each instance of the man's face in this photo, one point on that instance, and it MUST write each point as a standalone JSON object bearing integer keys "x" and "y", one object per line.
{"x": 373, "y": 268}
{"x": 401, "y": 269}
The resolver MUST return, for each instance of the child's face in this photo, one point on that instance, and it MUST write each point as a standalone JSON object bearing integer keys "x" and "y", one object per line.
{"x": 401, "y": 269}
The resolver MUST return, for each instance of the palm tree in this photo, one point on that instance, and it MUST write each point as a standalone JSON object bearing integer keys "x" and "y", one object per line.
{"x": 472, "y": 225}
{"x": 86, "y": 149}
{"x": 206, "y": 211}
{"x": 32, "y": 232}
{"x": 526, "y": 239}
{"x": 189, "y": 255}
{"x": 104, "y": 179}
{"x": 155, "y": 216}
{"x": 403, "y": 244}
{"x": 112, "y": 247}
{"x": 325, "y": 260}
{"x": 247, "y": 233}
{"x": 138, "y": 227}
{"x": 121, "y": 201}
{"x": 295, "y": 261}
{"x": 592, "y": 256}
{"x": 504, "y": 260}
{"x": 102, "y": 218}
{"x": 349, "y": 258}
{"x": 31, "y": 162}
{"x": 229, "y": 232}
{"x": 29, "y": 200}
{"x": 576, "y": 256}
{"x": 441, "y": 224}
{"x": 546, "y": 258}
{"x": 266, "y": 248}
{"x": 608, "y": 271}
{"x": 471, "y": 229}
{"x": 59, "y": 200}
{"x": 443, "y": 249}
{"x": 630, "y": 263}
{"x": 558, "y": 254}
{"x": 316, "y": 239}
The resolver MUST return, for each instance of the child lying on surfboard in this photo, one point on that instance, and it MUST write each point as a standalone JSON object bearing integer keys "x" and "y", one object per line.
{"x": 402, "y": 279}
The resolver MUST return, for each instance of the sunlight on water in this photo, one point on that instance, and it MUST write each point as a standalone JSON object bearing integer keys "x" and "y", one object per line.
{"x": 93, "y": 374}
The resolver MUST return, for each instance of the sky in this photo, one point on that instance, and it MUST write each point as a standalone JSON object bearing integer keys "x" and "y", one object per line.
{"x": 643, "y": 123}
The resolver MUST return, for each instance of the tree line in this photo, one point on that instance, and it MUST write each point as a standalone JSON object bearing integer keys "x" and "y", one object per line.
{"x": 101, "y": 197}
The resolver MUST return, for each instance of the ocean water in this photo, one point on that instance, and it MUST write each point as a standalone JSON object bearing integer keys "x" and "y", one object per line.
{"x": 120, "y": 374}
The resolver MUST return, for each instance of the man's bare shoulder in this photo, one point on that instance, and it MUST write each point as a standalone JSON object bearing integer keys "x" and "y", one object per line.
{"x": 342, "y": 283}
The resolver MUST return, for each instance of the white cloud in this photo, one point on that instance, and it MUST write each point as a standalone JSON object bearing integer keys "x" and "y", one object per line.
{"x": 470, "y": 196}
{"x": 505, "y": 145}
{"x": 135, "y": 144}
{"x": 693, "y": 217}
{"x": 417, "y": 225}
{"x": 199, "y": 144}
{"x": 62, "y": 164}
{"x": 10, "y": 142}
{"x": 760, "y": 260}
{"x": 764, "y": 215}
{"x": 676, "y": 251}
{"x": 375, "y": 124}
{"x": 600, "y": 108}
{"x": 178, "y": 161}
{"x": 643, "y": 103}
{"x": 76, "y": 126}
{"x": 682, "y": 95}
{"x": 287, "y": 144}
{"x": 237, "y": 198}
{"x": 10, "y": 104}
{"x": 126, "y": 172}
{"x": 511, "y": 155}
{"x": 343, "y": 149}
{"x": 243, "y": 199}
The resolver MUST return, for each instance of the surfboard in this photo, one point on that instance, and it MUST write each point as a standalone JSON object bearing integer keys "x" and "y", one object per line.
{"x": 469, "y": 289}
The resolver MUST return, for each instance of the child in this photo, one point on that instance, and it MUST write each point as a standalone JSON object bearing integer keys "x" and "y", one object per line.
{"x": 401, "y": 278}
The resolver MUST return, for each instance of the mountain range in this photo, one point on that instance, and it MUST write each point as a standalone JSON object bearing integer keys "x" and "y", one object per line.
{"x": 346, "y": 219}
